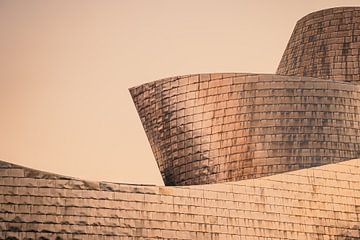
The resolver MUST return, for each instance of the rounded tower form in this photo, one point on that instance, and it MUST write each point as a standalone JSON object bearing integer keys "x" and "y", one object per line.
{"x": 325, "y": 44}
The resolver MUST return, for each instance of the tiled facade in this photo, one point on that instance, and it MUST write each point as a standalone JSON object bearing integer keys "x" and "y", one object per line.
{"x": 316, "y": 203}
{"x": 211, "y": 128}
{"x": 229, "y": 143}
{"x": 325, "y": 44}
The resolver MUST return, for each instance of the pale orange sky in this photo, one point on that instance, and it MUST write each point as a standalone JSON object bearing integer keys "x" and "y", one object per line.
{"x": 66, "y": 67}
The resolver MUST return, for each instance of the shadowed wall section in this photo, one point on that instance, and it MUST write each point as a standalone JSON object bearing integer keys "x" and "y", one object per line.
{"x": 325, "y": 44}
{"x": 210, "y": 128}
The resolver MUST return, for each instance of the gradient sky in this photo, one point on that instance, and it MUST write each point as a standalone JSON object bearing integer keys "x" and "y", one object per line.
{"x": 66, "y": 67}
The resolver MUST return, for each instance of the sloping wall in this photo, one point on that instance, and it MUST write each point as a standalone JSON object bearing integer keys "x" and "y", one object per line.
{"x": 316, "y": 203}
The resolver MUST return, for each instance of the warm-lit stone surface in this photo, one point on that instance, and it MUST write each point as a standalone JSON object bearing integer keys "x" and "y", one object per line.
{"x": 316, "y": 203}
{"x": 211, "y": 128}
{"x": 325, "y": 44}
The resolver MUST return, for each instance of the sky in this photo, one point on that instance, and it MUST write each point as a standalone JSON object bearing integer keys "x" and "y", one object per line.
{"x": 66, "y": 67}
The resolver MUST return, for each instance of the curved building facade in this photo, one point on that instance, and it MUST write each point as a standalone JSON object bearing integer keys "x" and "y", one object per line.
{"x": 315, "y": 203}
{"x": 229, "y": 142}
{"x": 325, "y": 44}
{"x": 210, "y": 128}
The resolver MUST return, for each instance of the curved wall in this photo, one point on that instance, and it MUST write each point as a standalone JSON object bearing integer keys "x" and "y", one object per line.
{"x": 214, "y": 128}
{"x": 316, "y": 203}
{"x": 325, "y": 44}
{"x": 211, "y": 128}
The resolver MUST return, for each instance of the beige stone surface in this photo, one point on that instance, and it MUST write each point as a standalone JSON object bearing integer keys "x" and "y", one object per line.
{"x": 317, "y": 203}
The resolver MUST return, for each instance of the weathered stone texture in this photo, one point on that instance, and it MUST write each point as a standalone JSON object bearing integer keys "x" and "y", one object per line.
{"x": 316, "y": 203}
{"x": 325, "y": 44}
{"x": 211, "y": 128}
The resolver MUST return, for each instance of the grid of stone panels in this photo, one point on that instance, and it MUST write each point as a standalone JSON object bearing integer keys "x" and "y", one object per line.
{"x": 315, "y": 203}
{"x": 211, "y": 128}
{"x": 325, "y": 44}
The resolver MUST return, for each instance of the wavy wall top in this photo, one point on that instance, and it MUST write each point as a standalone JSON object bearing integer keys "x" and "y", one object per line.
{"x": 317, "y": 203}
